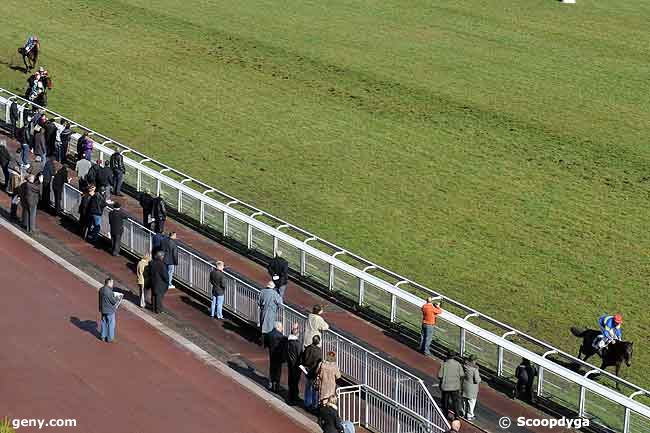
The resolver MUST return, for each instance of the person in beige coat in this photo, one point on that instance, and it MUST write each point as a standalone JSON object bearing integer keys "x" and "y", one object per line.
{"x": 328, "y": 373}
{"x": 315, "y": 325}
{"x": 471, "y": 382}
{"x": 140, "y": 273}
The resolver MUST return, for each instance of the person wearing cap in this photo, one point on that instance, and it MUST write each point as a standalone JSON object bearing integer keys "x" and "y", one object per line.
{"x": 269, "y": 303}
{"x": 610, "y": 328}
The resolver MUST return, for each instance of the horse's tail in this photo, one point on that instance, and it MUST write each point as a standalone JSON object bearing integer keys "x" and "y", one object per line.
{"x": 578, "y": 332}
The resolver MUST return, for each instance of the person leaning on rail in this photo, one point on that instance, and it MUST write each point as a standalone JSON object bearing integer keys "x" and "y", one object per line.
{"x": 429, "y": 313}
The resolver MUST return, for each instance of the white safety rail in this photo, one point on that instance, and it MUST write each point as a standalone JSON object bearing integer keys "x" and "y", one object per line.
{"x": 402, "y": 389}
{"x": 376, "y": 288}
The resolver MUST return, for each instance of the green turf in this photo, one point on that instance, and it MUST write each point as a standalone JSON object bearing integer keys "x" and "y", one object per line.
{"x": 495, "y": 150}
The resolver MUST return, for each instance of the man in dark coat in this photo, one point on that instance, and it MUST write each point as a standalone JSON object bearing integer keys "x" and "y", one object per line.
{"x": 146, "y": 201}
{"x": 58, "y": 184}
{"x": 107, "y": 306}
{"x": 159, "y": 214}
{"x": 218, "y": 290}
{"x": 116, "y": 220}
{"x": 50, "y": 138}
{"x": 156, "y": 242}
{"x": 170, "y": 248}
{"x": 84, "y": 216}
{"x": 96, "y": 206}
{"x": 525, "y": 374}
{"x": 118, "y": 168}
{"x": 279, "y": 270}
{"x": 48, "y": 174}
{"x": 158, "y": 280}
{"x": 65, "y": 136}
{"x": 311, "y": 358}
{"x": 30, "y": 195}
{"x": 104, "y": 181}
{"x": 5, "y": 157}
{"x": 294, "y": 352}
{"x": 277, "y": 353}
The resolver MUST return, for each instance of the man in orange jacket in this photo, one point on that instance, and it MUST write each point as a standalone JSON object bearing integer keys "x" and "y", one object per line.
{"x": 429, "y": 313}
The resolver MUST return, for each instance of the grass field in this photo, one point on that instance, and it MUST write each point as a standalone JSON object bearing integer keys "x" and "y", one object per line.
{"x": 495, "y": 150}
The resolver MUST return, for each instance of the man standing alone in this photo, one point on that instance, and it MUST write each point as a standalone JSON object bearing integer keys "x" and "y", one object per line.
{"x": 429, "y": 313}
{"x": 279, "y": 271}
{"x": 170, "y": 249}
{"x": 107, "y": 306}
{"x": 218, "y": 290}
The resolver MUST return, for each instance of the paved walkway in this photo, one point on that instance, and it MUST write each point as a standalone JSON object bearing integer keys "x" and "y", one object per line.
{"x": 492, "y": 404}
{"x": 55, "y": 367}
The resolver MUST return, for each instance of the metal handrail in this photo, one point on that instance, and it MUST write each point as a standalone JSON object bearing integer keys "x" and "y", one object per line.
{"x": 394, "y": 292}
{"x": 399, "y": 370}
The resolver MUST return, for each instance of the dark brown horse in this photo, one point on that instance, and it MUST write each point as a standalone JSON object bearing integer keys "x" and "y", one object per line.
{"x": 614, "y": 354}
{"x": 30, "y": 58}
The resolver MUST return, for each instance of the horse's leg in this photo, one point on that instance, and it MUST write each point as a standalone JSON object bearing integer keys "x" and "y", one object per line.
{"x": 25, "y": 62}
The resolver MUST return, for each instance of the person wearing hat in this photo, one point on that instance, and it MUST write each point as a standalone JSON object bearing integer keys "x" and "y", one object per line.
{"x": 610, "y": 327}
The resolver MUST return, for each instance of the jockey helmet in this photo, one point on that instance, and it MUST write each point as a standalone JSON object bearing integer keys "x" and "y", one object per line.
{"x": 35, "y": 37}
{"x": 618, "y": 319}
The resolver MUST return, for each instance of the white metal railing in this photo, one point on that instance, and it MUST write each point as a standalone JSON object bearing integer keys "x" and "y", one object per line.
{"x": 357, "y": 364}
{"x": 362, "y": 281}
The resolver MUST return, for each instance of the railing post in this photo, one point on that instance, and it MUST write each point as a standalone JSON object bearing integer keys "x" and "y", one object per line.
{"x": 393, "y": 308}
{"x": 396, "y": 385}
{"x": 331, "y": 278}
{"x": 65, "y": 199}
{"x": 139, "y": 182}
{"x": 131, "y": 237}
{"x": 249, "y": 237}
{"x": 462, "y": 341}
{"x": 581, "y": 403}
{"x": 225, "y": 224}
{"x": 202, "y": 213}
{"x": 157, "y": 187}
{"x": 362, "y": 291}
{"x": 191, "y": 272}
{"x": 626, "y": 423}
{"x": 275, "y": 246}
{"x": 303, "y": 262}
{"x": 180, "y": 201}
{"x": 365, "y": 367}
{"x": 540, "y": 381}
{"x": 234, "y": 298}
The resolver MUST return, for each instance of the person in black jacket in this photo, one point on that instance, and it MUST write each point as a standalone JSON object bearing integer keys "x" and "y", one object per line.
{"x": 104, "y": 180}
{"x": 48, "y": 174}
{"x": 50, "y": 138}
{"x": 65, "y": 136}
{"x": 116, "y": 220}
{"x": 170, "y": 248}
{"x": 96, "y": 206}
{"x": 58, "y": 184}
{"x": 279, "y": 270}
{"x": 525, "y": 374}
{"x": 277, "y": 352}
{"x": 311, "y": 359}
{"x": 118, "y": 168}
{"x": 84, "y": 216}
{"x": 328, "y": 417}
{"x": 5, "y": 157}
{"x": 159, "y": 214}
{"x": 294, "y": 352}
{"x": 218, "y": 290}
{"x": 158, "y": 281}
{"x": 146, "y": 201}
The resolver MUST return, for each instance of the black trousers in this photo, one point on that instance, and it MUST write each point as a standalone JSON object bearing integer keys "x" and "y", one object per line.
{"x": 275, "y": 370}
{"x": 160, "y": 226}
{"x": 58, "y": 195}
{"x": 294, "y": 382}
{"x": 451, "y": 400}
{"x": 157, "y": 302}
{"x": 116, "y": 239}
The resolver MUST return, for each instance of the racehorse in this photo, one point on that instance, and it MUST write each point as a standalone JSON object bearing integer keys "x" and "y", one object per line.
{"x": 614, "y": 354}
{"x": 30, "y": 58}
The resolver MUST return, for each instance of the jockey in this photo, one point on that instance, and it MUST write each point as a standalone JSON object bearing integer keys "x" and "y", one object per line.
{"x": 610, "y": 326}
{"x": 32, "y": 42}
